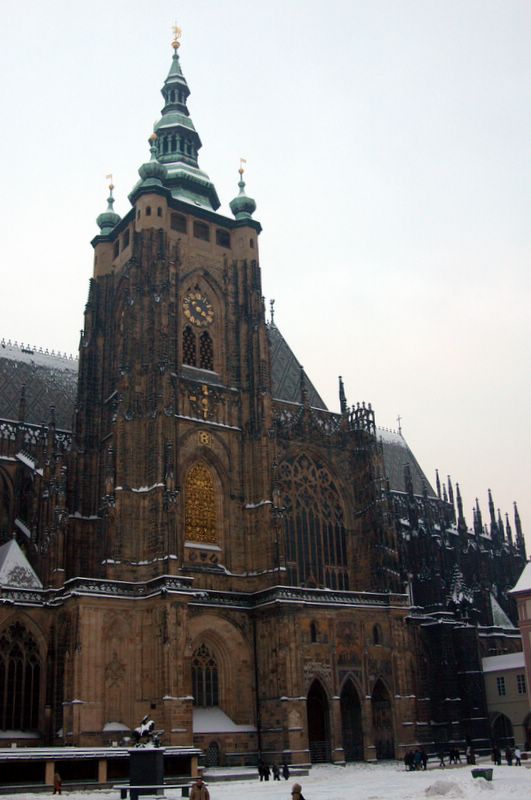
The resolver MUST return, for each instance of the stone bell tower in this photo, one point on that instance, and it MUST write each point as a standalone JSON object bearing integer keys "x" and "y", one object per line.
{"x": 171, "y": 443}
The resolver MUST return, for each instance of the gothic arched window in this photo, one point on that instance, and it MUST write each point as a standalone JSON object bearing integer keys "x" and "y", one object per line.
{"x": 189, "y": 347}
{"x": 314, "y": 526}
{"x": 206, "y": 351}
{"x": 205, "y": 684}
{"x": 200, "y": 518}
{"x": 20, "y": 670}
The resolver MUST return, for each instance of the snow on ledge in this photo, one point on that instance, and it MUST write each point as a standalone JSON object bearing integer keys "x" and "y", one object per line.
{"x": 214, "y": 720}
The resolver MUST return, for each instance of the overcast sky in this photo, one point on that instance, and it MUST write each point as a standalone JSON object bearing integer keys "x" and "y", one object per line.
{"x": 388, "y": 151}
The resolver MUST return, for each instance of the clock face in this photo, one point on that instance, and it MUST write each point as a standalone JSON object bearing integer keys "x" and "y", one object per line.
{"x": 197, "y": 309}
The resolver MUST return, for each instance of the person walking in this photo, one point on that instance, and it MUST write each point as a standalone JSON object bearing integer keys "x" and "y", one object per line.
{"x": 276, "y": 772}
{"x": 517, "y": 757}
{"x": 57, "y": 784}
{"x": 285, "y": 771}
{"x": 509, "y": 756}
{"x": 199, "y": 790}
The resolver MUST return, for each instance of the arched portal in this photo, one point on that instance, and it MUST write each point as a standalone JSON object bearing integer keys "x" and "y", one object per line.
{"x": 502, "y": 731}
{"x": 351, "y": 725}
{"x": 318, "y": 723}
{"x": 382, "y": 722}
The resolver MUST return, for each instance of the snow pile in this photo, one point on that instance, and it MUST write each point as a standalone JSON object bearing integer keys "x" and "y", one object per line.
{"x": 448, "y": 788}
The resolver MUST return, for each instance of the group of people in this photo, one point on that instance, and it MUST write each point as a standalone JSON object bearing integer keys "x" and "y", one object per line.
{"x": 416, "y": 759}
{"x": 510, "y": 756}
{"x": 264, "y": 771}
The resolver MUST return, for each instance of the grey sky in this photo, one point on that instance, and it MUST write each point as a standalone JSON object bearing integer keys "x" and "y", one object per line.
{"x": 387, "y": 148}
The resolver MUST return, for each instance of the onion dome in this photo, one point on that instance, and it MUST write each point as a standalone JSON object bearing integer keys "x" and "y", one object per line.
{"x": 242, "y": 206}
{"x": 108, "y": 219}
{"x": 152, "y": 172}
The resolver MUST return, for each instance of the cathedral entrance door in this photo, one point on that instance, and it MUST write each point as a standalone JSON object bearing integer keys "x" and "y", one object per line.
{"x": 318, "y": 724}
{"x": 382, "y": 722}
{"x": 351, "y": 723}
{"x": 502, "y": 731}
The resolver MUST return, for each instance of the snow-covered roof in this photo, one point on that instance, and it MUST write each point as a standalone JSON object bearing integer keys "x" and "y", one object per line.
{"x": 15, "y": 569}
{"x": 507, "y": 661}
{"x": 499, "y": 617}
{"x": 214, "y": 720}
{"x": 523, "y": 583}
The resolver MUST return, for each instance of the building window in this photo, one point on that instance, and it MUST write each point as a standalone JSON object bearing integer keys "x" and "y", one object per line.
{"x": 520, "y": 684}
{"x": 500, "y": 685}
{"x": 125, "y": 239}
{"x": 20, "y": 671}
{"x": 376, "y": 635}
{"x": 313, "y": 632}
{"x": 189, "y": 348}
{"x": 205, "y": 682}
{"x": 148, "y": 211}
{"x": 314, "y": 528}
{"x": 222, "y": 238}
{"x": 178, "y": 223}
{"x": 116, "y": 251}
{"x": 206, "y": 351}
{"x": 200, "y": 523}
{"x": 159, "y": 211}
{"x": 201, "y": 231}
{"x": 251, "y": 244}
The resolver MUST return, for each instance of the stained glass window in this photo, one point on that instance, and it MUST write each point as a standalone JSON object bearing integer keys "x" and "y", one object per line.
{"x": 200, "y": 505}
{"x": 205, "y": 685}
{"x": 314, "y": 529}
{"x": 19, "y": 680}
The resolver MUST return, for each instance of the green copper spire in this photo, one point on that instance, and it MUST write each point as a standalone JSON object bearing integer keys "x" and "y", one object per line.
{"x": 242, "y": 206}
{"x": 108, "y": 219}
{"x": 178, "y": 142}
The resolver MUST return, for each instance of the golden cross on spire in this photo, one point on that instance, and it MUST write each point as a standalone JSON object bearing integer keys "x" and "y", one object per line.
{"x": 242, "y": 162}
{"x": 109, "y": 178}
{"x": 177, "y": 33}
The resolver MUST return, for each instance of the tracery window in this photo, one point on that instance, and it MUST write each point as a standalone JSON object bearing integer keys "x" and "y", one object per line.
{"x": 200, "y": 518}
{"x": 20, "y": 670}
{"x": 314, "y": 528}
{"x": 206, "y": 351}
{"x": 205, "y": 683}
{"x": 189, "y": 347}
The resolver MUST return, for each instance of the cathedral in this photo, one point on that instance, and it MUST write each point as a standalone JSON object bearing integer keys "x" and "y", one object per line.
{"x": 187, "y": 531}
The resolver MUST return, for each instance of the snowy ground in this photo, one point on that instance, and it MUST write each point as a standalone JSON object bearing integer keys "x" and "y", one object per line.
{"x": 360, "y": 782}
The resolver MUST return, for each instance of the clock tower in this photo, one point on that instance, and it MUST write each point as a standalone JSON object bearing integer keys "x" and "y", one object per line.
{"x": 174, "y": 413}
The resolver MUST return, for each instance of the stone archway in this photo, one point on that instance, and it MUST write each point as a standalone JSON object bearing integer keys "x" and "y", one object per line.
{"x": 502, "y": 731}
{"x": 351, "y": 723}
{"x": 318, "y": 723}
{"x": 382, "y": 721}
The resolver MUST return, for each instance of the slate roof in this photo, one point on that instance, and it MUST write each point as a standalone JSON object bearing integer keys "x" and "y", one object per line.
{"x": 286, "y": 372}
{"x": 396, "y": 454}
{"x": 50, "y": 379}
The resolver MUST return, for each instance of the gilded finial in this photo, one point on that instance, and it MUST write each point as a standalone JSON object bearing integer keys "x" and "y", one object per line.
{"x": 177, "y": 33}
{"x": 111, "y": 184}
{"x": 242, "y": 162}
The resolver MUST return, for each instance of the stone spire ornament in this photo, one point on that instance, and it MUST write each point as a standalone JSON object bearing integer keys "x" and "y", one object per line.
{"x": 242, "y": 206}
{"x": 109, "y": 218}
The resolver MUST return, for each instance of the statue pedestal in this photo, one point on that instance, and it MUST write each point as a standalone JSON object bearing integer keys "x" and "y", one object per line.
{"x": 146, "y": 768}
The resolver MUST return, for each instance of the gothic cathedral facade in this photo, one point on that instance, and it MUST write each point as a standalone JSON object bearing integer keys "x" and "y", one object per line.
{"x": 207, "y": 543}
